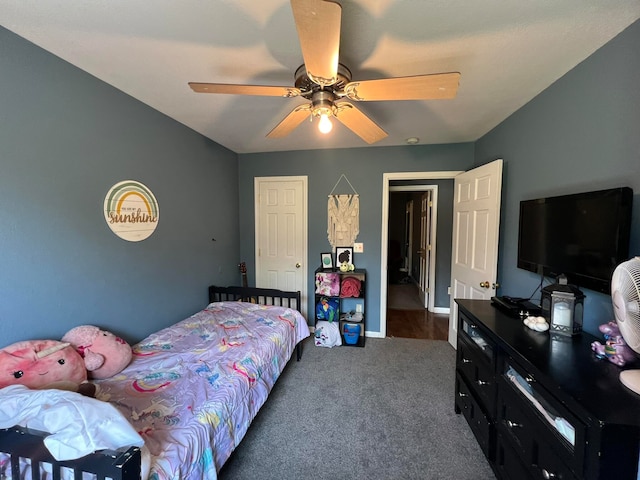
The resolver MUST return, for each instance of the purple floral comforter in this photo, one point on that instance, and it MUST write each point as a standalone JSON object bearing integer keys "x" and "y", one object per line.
{"x": 193, "y": 389}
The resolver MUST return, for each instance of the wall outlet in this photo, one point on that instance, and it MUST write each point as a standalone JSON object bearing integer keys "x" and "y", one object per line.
{"x": 358, "y": 248}
{"x": 358, "y": 308}
{"x": 448, "y": 290}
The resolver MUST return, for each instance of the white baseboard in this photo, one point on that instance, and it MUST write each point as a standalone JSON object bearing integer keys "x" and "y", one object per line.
{"x": 446, "y": 310}
{"x": 373, "y": 334}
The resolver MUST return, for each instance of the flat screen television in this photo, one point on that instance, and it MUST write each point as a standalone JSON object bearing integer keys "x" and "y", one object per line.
{"x": 583, "y": 236}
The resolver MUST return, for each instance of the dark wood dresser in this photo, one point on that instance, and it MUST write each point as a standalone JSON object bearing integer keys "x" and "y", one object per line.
{"x": 543, "y": 406}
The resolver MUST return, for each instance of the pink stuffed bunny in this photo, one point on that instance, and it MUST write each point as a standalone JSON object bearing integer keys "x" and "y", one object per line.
{"x": 105, "y": 355}
{"x": 40, "y": 364}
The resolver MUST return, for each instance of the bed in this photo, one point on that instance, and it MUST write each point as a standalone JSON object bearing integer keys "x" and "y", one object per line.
{"x": 191, "y": 392}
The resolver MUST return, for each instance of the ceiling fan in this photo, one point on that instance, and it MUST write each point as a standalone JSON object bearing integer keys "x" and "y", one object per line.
{"x": 327, "y": 83}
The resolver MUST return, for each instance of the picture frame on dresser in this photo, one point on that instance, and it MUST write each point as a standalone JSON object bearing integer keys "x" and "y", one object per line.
{"x": 344, "y": 255}
{"x": 326, "y": 260}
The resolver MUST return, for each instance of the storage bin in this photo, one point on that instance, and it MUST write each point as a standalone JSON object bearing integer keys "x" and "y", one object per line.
{"x": 351, "y": 333}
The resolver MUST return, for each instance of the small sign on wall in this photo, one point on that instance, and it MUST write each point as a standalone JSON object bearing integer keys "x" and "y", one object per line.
{"x": 131, "y": 210}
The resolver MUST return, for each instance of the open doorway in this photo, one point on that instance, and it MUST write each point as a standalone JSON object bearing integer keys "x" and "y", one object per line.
{"x": 412, "y": 237}
{"x": 418, "y": 265}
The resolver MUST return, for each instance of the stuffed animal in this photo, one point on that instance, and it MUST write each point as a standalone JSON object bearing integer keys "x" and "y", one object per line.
{"x": 615, "y": 349}
{"x": 347, "y": 267}
{"x": 41, "y": 364}
{"x": 105, "y": 355}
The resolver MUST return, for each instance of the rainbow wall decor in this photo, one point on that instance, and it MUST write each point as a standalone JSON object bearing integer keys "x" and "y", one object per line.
{"x": 131, "y": 210}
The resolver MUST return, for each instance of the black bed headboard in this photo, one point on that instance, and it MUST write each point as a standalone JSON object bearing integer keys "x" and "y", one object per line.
{"x": 262, "y": 296}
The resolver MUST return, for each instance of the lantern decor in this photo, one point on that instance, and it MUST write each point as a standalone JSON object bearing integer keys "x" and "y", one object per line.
{"x": 563, "y": 305}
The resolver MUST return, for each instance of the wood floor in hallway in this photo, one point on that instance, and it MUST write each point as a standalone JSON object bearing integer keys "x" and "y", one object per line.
{"x": 406, "y": 318}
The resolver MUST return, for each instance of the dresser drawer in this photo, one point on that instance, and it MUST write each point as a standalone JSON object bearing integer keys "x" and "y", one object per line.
{"x": 509, "y": 464}
{"x": 535, "y": 449}
{"x": 558, "y": 433}
{"x": 478, "y": 339}
{"x": 515, "y": 424}
{"x": 476, "y": 417}
{"x": 478, "y": 373}
{"x": 546, "y": 464}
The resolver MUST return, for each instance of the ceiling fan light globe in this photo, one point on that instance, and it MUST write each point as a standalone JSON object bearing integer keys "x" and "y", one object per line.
{"x": 325, "y": 125}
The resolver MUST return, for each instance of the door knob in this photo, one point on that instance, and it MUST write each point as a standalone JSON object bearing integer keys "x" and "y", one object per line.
{"x": 485, "y": 284}
{"x": 495, "y": 285}
{"x": 298, "y": 265}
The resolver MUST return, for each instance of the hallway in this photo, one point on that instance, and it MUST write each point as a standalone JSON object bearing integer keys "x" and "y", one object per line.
{"x": 407, "y": 318}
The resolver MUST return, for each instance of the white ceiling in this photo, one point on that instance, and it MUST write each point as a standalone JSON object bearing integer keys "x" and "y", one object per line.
{"x": 507, "y": 51}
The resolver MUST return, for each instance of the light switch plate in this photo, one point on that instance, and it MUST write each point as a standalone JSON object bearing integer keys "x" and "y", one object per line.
{"x": 358, "y": 247}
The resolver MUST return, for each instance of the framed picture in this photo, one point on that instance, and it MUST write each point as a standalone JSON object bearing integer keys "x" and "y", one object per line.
{"x": 326, "y": 260}
{"x": 344, "y": 255}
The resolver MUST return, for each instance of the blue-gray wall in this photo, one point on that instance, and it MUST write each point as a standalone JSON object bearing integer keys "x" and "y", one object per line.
{"x": 364, "y": 168}
{"x": 65, "y": 139}
{"x": 580, "y": 134}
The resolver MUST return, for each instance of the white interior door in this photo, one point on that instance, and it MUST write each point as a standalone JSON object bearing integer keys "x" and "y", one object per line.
{"x": 408, "y": 238}
{"x": 476, "y": 223}
{"x": 281, "y": 234}
{"x": 425, "y": 246}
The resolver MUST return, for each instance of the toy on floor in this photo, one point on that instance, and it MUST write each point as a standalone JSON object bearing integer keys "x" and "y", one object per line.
{"x": 42, "y": 364}
{"x": 615, "y": 349}
{"x": 105, "y": 355}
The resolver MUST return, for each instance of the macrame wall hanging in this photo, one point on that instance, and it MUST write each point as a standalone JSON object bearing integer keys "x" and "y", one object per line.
{"x": 343, "y": 212}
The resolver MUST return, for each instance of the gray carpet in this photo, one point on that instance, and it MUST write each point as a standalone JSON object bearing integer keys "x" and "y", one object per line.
{"x": 380, "y": 412}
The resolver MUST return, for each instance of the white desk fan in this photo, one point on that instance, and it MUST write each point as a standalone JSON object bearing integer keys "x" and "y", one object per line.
{"x": 625, "y": 294}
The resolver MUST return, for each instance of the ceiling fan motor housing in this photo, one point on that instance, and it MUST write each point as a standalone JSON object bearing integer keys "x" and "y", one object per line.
{"x": 308, "y": 86}
{"x": 322, "y": 103}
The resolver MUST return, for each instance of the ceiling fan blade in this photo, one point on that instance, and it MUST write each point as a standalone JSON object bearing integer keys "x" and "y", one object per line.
{"x": 437, "y": 86}
{"x": 318, "y": 23}
{"x": 264, "y": 90}
{"x": 291, "y": 121}
{"x": 359, "y": 123}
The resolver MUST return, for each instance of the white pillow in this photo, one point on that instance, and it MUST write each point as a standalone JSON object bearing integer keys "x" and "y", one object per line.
{"x": 78, "y": 425}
